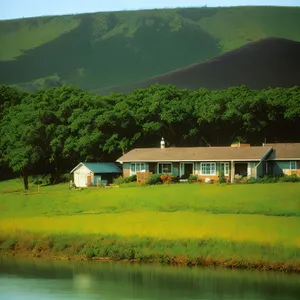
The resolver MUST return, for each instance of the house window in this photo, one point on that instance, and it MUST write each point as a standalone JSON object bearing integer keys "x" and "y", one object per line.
{"x": 137, "y": 167}
{"x": 165, "y": 168}
{"x": 293, "y": 165}
{"x": 208, "y": 169}
{"x": 225, "y": 168}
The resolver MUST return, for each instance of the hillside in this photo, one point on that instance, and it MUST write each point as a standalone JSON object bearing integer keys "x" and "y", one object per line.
{"x": 94, "y": 51}
{"x": 270, "y": 62}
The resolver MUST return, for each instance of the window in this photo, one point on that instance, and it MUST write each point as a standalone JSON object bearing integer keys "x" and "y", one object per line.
{"x": 225, "y": 168}
{"x": 137, "y": 167}
{"x": 293, "y": 165}
{"x": 208, "y": 169}
{"x": 165, "y": 168}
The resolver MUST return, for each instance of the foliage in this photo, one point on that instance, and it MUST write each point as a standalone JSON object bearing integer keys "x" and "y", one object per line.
{"x": 167, "y": 179}
{"x": 186, "y": 252}
{"x": 289, "y": 178}
{"x": 192, "y": 178}
{"x": 51, "y": 130}
{"x": 154, "y": 179}
{"x": 41, "y": 179}
{"x": 222, "y": 179}
{"x": 121, "y": 180}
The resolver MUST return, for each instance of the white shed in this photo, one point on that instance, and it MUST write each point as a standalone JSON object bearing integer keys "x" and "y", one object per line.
{"x": 91, "y": 173}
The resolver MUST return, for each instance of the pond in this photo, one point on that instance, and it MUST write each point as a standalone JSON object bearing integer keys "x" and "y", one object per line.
{"x": 43, "y": 279}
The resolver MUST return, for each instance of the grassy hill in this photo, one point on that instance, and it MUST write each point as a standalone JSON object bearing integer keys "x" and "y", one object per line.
{"x": 99, "y": 50}
{"x": 270, "y": 62}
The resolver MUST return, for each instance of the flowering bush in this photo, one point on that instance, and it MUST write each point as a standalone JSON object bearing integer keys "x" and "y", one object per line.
{"x": 167, "y": 179}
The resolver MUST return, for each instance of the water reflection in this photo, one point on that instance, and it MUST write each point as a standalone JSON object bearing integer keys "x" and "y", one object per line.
{"x": 39, "y": 279}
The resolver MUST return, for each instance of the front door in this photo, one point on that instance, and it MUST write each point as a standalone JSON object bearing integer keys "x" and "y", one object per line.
{"x": 186, "y": 170}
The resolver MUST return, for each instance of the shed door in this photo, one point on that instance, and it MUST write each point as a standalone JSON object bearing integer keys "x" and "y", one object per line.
{"x": 81, "y": 180}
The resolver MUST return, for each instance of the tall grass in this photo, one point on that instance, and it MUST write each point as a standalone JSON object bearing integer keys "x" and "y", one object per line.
{"x": 183, "y": 252}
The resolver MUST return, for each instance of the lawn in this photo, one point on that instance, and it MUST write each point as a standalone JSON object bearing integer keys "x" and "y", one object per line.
{"x": 250, "y": 216}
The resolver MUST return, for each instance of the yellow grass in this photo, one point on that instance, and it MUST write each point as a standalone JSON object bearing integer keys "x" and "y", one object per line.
{"x": 162, "y": 225}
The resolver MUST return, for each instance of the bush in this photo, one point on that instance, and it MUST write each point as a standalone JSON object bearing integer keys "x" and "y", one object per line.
{"x": 63, "y": 178}
{"x": 167, "y": 179}
{"x": 237, "y": 178}
{"x": 122, "y": 180}
{"x": 222, "y": 179}
{"x": 41, "y": 179}
{"x": 289, "y": 178}
{"x": 154, "y": 179}
{"x": 193, "y": 178}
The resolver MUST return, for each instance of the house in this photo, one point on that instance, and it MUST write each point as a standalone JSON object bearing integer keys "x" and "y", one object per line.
{"x": 206, "y": 162}
{"x": 93, "y": 173}
{"x": 284, "y": 159}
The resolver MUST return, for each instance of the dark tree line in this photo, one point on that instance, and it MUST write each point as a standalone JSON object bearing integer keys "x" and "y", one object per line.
{"x": 50, "y": 131}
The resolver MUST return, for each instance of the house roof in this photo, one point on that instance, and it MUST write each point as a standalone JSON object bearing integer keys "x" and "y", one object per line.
{"x": 196, "y": 154}
{"x": 100, "y": 167}
{"x": 281, "y": 151}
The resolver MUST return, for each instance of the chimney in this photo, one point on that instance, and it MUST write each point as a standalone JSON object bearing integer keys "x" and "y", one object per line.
{"x": 162, "y": 143}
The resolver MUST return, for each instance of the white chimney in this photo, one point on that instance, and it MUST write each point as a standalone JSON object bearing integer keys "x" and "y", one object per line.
{"x": 162, "y": 143}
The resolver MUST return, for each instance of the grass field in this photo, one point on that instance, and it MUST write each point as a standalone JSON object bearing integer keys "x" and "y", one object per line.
{"x": 123, "y": 47}
{"x": 258, "y": 222}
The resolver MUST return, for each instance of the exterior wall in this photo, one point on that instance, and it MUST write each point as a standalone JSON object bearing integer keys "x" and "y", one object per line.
{"x": 126, "y": 169}
{"x": 219, "y": 172}
{"x": 175, "y": 169}
{"x": 280, "y": 168}
{"x": 252, "y": 169}
{"x": 292, "y": 172}
{"x": 82, "y": 176}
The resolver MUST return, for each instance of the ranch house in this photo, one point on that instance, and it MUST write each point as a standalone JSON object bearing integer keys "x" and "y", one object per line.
{"x": 212, "y": 162}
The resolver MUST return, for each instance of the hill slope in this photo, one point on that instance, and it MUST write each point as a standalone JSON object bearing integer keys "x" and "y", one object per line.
{"x": 270, "y": 62}
{"x": 106, "y": 49}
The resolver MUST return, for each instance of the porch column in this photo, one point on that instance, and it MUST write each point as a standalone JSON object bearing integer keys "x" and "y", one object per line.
{"x": 232, "y": 171}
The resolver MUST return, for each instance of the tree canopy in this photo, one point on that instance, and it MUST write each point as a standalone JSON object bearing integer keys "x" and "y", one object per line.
{"x": 51, "y": 130}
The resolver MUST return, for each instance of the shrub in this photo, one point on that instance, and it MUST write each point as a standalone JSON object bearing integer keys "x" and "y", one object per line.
{"x": 289, "y": 178}
{"x": 154, "y": 179}
{"x": 192, "y": 178}
{"x": 167, "y": 179}
{"x": 122, "y": 180}
{"x": 222, "y": 179}
{"x": 63, "y": 178}
{"x": 41, "y": 179}
{"x": 237, "y": 178}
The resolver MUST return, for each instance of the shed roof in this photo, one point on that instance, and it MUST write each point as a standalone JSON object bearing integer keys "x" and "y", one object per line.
{"x": 288, "y": 151}
{"x": 196, "y": 154}
{"x": 100, "y": 167}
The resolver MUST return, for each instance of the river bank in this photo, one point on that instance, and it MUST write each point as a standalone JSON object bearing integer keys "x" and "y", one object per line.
{"x": 209, "y": 252}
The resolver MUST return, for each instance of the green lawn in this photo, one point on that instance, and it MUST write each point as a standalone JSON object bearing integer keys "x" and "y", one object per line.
{"x": 249, "y": 216}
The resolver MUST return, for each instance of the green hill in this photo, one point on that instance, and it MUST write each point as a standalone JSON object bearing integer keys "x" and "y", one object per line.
{"x": 99, "y": 50}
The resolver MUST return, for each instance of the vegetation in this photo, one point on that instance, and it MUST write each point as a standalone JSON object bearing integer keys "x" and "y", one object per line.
{"x": 146, "y": 39}
{"x": 49, "y": 131}
{"x": 252, "y": 226}
{"x": 122, "y": 180}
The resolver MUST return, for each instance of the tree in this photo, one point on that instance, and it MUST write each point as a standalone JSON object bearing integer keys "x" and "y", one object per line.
{"x": 20, "y": 139}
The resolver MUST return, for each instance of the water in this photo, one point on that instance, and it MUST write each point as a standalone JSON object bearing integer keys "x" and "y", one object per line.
{"x": 40, "y": 279}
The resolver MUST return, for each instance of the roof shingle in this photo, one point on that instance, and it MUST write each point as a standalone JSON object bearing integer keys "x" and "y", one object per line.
{"x": 195, "y": 154}
{"x": 284, "y": 151}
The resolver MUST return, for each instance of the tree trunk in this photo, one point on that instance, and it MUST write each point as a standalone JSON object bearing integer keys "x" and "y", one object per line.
{"x": 25, "y": 179}
{"x": 24, "y": 174}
